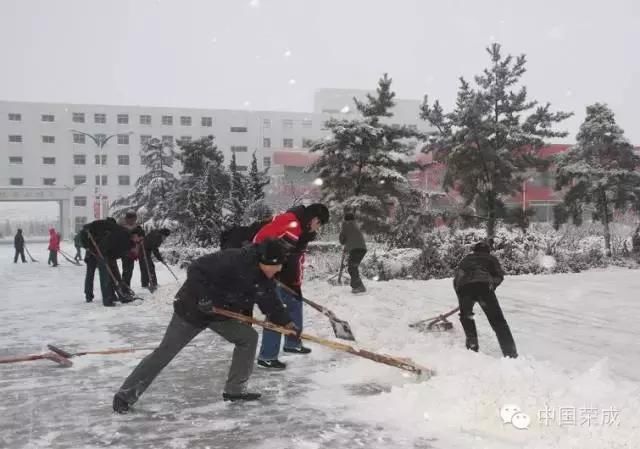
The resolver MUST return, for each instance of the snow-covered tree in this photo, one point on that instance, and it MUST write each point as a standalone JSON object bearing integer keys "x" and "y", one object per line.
{"x": 258, "y": 180}
{"x": 364, "y": 162}
{"x": 493, "y": 135}
{"x": 601, "y": 170}
{"x": 238, "y": 193}
{"x": 151, "y": 196}
{"x": 196, "y": 156}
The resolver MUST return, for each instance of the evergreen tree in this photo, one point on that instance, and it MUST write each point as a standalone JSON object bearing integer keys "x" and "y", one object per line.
{"x": 600, "y": 170}
{"x": 365, "y": 162}
{"x": 153, "y": 188}
{"x": 195, "y": 156}
{"x": 238, "y": 193}
{"x": 486, "y": 143}
{"x": 257, "y": 181}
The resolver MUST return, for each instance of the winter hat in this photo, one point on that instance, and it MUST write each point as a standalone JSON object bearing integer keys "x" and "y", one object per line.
{"x": 131, "y": 214}
{"x": 482, "y": 247}
{"x": 349, "y": 216}
{"x": 165, "y": 232}
{"x": 316, "y": 210}
{"x": 138, "y": 231}
{"x": 271, "y": 252}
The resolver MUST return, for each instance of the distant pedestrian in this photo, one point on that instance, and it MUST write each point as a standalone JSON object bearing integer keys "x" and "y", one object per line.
{"x": 18, "y": 244}
{"x": 54, "y": 247}
{"x": 355, "y": 248}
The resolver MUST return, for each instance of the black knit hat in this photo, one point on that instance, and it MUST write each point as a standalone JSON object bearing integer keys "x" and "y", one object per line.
{"x": 482, "y": 247}
{"x": 271, "y": 252}
{"x": 316, "y": 210}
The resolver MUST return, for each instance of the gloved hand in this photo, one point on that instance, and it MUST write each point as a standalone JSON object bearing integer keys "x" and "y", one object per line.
{"x": 205, "y": 305}
{"x": 290, "y": 325}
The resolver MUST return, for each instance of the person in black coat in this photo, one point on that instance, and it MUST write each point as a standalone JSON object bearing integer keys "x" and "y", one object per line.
{"x": 151, "y": 243}
{"x": 475, "y": 281}
{"x": 233, "y": 279}
{"x": 18, "y": 244}
{"x": 356, "y": 248}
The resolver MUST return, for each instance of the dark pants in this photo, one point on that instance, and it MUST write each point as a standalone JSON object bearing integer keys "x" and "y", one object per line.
{"x": 127, "y": 270}
{"x": 107, "y": 286}
{"x": 178, "y": 334}
{"x": 147, "y": 270}
{"x": 483, "y": 295}
{"x": 353, "y": 264}
{"x": 20, "y": 252}
{"x": 89, "y": 276}
{"x": 53, "y": 258}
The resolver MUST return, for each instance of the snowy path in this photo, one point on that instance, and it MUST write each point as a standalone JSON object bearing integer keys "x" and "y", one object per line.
{"x": 566, "y": 326}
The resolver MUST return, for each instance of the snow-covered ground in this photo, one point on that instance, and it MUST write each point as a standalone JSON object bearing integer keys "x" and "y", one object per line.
{"x": 577, "y": 334}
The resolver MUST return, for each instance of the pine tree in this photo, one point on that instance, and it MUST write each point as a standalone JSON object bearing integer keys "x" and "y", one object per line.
{"x": 487, "y": 143}
{"x": 257, "y": 181}
{"x": 238, "y": 193}
{"x": 364, "y": 163}
{"x": 153, "y": 188}
{"x": 600, "y": 170}
{"x": 196, "y": 156}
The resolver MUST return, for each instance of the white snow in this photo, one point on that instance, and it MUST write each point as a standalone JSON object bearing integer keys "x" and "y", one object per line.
{"x": 577, "y": 335}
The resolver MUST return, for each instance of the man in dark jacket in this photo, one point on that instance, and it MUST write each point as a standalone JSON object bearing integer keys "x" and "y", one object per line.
{"x": 355, "y": 248}
{"x": 78, "y": 245}
{"x": 18, "y": 244}
{"x": 475, "y": 280}
{"x": 113, "y": 242}
{"x": 152, "y": 242}
{"x": 295, "y": 229}
{"x": 128, "y": 260}
{"x": 233, "y": 279}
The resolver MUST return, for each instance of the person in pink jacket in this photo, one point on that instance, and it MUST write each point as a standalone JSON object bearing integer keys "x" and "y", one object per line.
{"x": 54, "y": 247}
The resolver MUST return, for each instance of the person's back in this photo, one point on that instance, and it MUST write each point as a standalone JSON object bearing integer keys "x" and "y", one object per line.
{"x": 18, "y": 240}
{"x": 478, "y": 267}
{"x": 351, "y": 236}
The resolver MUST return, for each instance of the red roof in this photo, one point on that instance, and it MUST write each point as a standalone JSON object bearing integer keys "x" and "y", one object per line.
{"x": 294, "y": 158}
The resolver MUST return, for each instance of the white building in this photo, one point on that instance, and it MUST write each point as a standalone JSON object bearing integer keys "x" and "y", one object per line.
{"x": 41, "y": 143}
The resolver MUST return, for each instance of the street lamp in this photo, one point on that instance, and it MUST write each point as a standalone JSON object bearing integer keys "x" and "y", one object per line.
{"x": 71, "y": 204}
{"x": 100, "y": 140}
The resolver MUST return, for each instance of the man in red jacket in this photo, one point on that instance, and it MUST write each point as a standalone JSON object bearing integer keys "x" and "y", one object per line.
{"x": 296, "y": 228}
{"x": 54, "y": 247}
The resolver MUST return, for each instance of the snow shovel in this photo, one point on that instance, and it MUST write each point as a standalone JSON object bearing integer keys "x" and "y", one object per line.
{"x": 62, "y": 361}
{"x": 170, "y": 271}
{"x": 341, "y": 328}
{"x": 333, "y": 280}
{"x": 30, "y": 256}
{"x": 402, "y": 363}
{"x": 68, "y": 258}
{"x": 438, "y": 323}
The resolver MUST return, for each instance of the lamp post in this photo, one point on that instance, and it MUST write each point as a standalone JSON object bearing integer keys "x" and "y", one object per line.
{"x": 100, "y": 140}
{"x": 71, "y": 205}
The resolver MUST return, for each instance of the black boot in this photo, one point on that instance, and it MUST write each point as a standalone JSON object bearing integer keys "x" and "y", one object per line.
{"x": 241, "y": 396}
{"x": 120, "y": 405}
{"x": 469, "y": 326}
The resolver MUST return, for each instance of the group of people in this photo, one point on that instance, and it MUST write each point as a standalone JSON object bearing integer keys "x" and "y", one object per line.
{"x": 107, "y": 241}
{"x": 54, "y": 247}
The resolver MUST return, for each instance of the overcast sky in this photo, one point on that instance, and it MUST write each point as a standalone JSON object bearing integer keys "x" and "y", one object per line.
{"x": 273, "y": 54}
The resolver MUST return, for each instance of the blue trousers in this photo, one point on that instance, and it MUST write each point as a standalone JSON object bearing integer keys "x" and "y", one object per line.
{"x": 271, "y": 340}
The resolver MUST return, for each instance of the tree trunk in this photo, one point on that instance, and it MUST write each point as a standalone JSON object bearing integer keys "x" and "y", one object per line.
{"x": 605, "y": 222}
{"x": 491, "y": 214}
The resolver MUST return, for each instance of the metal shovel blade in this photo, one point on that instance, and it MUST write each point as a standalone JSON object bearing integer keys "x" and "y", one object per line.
{"x": 342, "y": 330}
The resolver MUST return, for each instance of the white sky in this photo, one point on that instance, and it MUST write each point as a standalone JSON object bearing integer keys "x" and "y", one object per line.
{"x": 230, "y": 53}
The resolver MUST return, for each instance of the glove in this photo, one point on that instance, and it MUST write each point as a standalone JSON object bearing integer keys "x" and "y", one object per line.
{"x": 205, "y": 305}
{"x": 290, "y": 325}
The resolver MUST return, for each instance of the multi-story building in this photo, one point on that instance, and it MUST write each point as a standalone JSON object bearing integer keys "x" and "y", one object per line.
{"x": 46, "y": 144}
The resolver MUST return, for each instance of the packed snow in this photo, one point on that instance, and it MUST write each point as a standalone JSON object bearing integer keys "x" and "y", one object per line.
{"x": 575, "y": 384}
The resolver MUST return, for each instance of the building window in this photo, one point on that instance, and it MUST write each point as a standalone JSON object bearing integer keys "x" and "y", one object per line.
{"x": 241, "y": 167}
{"x": 48, "y": 139}
{"x": 79, "y": 159}
{"x": 238, "y": 149}
{"x": 101, "y": 157}
{"x": 307, "y": 143}
{"x": 104, "y": 180}
{"x": 266, "y": 162}
{"x": 123, "y": 119}
{"x": 266, "y": 142}
{"x": 287, "y": 143}
{"x": 80, "y": 201}
{"x": 266, "y": 123}
{"x": 144, "y": 140}
{"x": 413, "y": 127}
{"x": 287, "y": 123}
{"x": 185, "y": 139}
{"x": 15, "y": 138}
{"x": 80, "y": 222}
{"x": 124, "y": 180}
{"x": 185, "y": 120}
{"x": 100, "y": 118}
{"x": 238, "y": 129}
{"x": 167, "y": 140}
{"x": 77, "y": 117}
{"x": 145, "y": 119}
{"x": 14, "y": 117}
{"x": 49, "y": 160}
{"x": 79, "y": 138}
{"x": 79, "y": 179}
{"x": 15, "y": 181}
{"x": 206, "y": 121}
{"x": 123, "y": 139}
{"x": 167, "y": 120}
{"x": 47, "y": 118}
{"x": 123, "y": 159}
{"x": 15, "y": 159}
{"x": 307, "y": 124}
{"x": 49, "y": 181}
